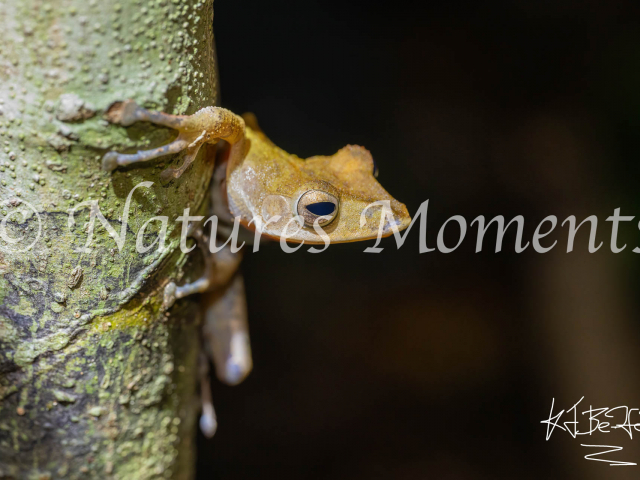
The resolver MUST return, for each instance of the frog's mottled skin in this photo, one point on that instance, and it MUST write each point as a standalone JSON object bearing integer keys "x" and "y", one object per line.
{"x": 266, "y": 188}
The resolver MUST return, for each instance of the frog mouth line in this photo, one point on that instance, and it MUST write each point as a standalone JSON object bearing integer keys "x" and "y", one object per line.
{"x": 251, "y": 227}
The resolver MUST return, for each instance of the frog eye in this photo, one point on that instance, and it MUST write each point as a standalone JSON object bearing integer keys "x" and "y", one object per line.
{"x": 314, "y": 204}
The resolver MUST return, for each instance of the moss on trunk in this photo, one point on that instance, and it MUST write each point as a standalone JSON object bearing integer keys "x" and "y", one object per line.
{"x": 96, "y": 381}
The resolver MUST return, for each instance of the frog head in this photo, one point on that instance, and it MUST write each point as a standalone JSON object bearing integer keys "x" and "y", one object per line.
{"x": 334, "y": 196}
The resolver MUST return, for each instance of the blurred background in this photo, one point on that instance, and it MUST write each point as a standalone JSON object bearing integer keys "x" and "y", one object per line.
{"x": 441, "y": 365}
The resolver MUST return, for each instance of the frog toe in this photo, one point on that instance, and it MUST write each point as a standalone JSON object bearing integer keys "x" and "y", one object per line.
{"x": 110, "y": 161}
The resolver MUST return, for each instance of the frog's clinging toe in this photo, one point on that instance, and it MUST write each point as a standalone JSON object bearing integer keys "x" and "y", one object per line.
{"x": 208, "y": 423}
{"x": 124, "y": 113}
{"x": 110, "y": 161}
{"x": 234, "y": 373}
{"x": 169, "y": 295}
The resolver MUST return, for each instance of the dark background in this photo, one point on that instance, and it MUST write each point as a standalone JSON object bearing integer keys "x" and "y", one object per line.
{"x": 414, "y": 366}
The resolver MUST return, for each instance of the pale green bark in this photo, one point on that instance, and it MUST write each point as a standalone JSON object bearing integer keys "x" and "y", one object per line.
{"x": 101, "y": 384}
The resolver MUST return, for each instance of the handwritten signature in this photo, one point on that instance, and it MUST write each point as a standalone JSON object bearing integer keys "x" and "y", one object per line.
{"x": 600, "y": 420}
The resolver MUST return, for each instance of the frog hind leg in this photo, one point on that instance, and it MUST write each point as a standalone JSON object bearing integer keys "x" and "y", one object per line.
{"x": 225, "y": 330}
{"x": 208, "y": 420}
{"x": 226, "y": 333}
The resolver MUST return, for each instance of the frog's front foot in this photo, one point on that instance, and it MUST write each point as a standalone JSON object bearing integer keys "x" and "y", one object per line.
{"x": 208, "y": 125}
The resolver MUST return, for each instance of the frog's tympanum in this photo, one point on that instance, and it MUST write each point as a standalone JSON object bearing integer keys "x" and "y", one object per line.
{"x": 320, "y": 199}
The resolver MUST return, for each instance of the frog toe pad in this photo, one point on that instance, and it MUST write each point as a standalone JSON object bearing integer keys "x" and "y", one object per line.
{"x": 110, "y": 161}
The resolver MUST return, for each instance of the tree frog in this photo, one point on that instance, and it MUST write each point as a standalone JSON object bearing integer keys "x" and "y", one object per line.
{"x": 314, "y": 200}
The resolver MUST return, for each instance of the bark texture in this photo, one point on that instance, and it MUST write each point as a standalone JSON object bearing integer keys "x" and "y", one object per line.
{"x": 96, "y": 380}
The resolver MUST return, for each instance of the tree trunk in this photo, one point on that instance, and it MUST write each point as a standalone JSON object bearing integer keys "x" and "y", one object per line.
{"x": 96, "y": 380}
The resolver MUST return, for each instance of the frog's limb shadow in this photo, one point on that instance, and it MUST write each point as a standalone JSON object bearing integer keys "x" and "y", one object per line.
{"x": 207, "y": 125}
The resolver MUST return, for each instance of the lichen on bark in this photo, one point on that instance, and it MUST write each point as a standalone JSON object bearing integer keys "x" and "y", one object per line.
{"x": 96, "y": 380}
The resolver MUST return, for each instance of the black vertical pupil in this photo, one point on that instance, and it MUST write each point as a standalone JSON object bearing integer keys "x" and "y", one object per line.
{"x": 321, "y": 208}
